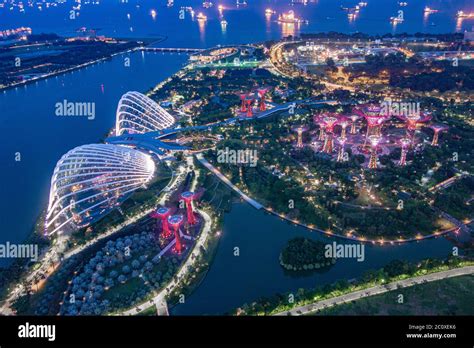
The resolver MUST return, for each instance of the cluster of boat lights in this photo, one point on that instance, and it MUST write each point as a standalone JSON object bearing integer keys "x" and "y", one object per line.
{"x": 283, "y": 18}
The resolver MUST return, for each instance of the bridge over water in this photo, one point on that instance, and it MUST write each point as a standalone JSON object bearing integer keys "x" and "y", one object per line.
{"x": 173, "y": 49}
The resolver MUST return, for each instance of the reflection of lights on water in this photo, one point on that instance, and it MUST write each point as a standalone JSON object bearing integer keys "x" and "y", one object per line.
{"x": 269, "y": 12}
{"x": 459, "y": 23}
{"x": 224, "y": 25}
{"x": 352, "y": 17}
{"x": 202, "y": 25}
{"x": 201, "y": 17}
{"x": 288, "y": 29}
{"x": 153, "y": 14}
{"x": 128, "y": 15}
{"x": 460, "y": 16}
{"x": 425, "y": 17}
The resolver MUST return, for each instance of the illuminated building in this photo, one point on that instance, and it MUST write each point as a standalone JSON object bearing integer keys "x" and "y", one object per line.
{"x": 136, "y": 113}
{"x": 90, "y": 180}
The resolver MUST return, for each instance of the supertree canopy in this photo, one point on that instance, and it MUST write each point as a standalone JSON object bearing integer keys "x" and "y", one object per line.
{"x": 375, "y": 117}
{"x": 437, "y": 128}
{"x": 414, "y": 120}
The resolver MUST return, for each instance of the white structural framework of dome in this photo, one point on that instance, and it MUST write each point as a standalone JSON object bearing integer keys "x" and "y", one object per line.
{"x": 90, "y": 180}
{"x": 136, "y": 113}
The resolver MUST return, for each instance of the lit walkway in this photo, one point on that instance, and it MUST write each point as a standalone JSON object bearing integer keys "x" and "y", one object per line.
{"x": 376, "y": 290}
{"x": 160, "y": 298}
{"x": 257, "y": 205}
{"x": 226, "y": 181}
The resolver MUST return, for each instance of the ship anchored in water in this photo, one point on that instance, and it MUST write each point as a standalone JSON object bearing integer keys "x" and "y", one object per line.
{"x": 290, "y": 18}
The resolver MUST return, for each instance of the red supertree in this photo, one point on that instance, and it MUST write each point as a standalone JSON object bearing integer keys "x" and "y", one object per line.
{"x": 248, "y": 103}
{"x": 261, "y": 94}
{"x": 163, "y": 214}
{"x": 437, "y": 128}
{"x": 175, "y": 222}
{"x": 188, "y": 198}
{"x": 243, "y": 107}
{"x": 405, "y": 143}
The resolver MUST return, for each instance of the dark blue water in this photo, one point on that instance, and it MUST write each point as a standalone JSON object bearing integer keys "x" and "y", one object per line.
{"x": 28, "y": 125}
{"x": 234, "y": 280}
{"x": 245, "y": 24}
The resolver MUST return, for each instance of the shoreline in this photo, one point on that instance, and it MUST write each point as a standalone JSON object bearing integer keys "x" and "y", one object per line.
{"x": 140, "y": 47}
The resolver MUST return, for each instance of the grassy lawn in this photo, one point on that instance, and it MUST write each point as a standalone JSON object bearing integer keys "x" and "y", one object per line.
{"x": 125, "y": 289}
{"x": 451, "y": 296}
{"x": 151, "y": 311}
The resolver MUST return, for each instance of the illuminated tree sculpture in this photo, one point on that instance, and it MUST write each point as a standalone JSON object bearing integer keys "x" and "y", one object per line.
{"x": 261, "y": 94}
{"x": 354, "y": 119}
{"x": 318, "y": 119}
{"x": 243, "y": 106}
{"x": 413, "y": 121}
{"x": 300, "y": 130}
{"x": 405, "y": 144}
{"x": 374, "y": 142}
{"x": 437, "y": 128}
{"x": 329, "y": 122}
{"x": 340, "y": 154}
{"x": 175, "y": 222}
{"x": 343, "y": 122}
{"x": 375, "y": 118}
{"x": 162, "y": 214}
{"x": 188, "y": 199}
{"x": 248, "y": 104}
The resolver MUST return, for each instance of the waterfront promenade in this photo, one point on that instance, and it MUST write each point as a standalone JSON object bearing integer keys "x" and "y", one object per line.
{"x": 376, "y": 290}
